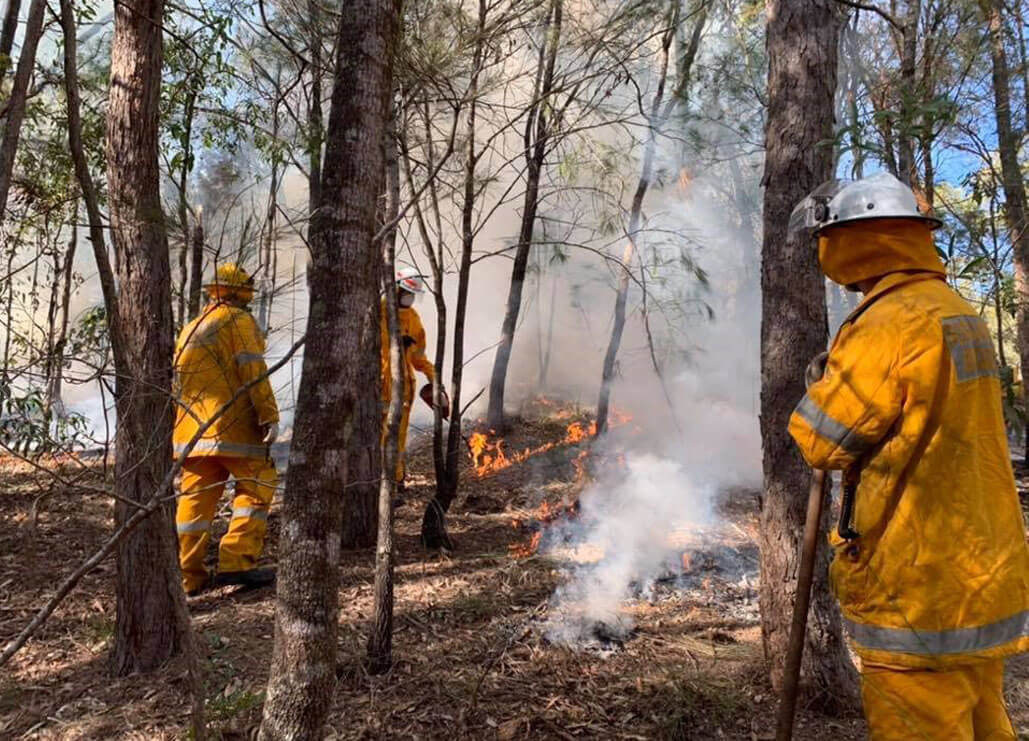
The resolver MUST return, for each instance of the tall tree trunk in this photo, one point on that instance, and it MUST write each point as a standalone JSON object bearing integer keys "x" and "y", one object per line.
{"x": 380, "y": 641}
{"x": 7, "y": 33}
{"x": 434, "y": 534}
{"x": 802, "y": 42}
{"x": 1014, "y": 184}
{"x": 344, "y": 283}
{"x": 16, "y": 101}
{"x": 535, "y": 139}
{"x": 150, "y": 600}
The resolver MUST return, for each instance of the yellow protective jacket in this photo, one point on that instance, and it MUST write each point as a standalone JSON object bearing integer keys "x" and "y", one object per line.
{"x": 412, "y": 338}
{"x": 911, "y": 402}
{"x": 217, "y": 354}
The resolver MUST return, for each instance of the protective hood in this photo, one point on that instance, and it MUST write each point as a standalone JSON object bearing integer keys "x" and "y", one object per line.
{"x": 857, "y": 251}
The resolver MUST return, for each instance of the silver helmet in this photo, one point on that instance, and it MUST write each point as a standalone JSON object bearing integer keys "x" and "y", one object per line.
{"x": 880, "y": 196}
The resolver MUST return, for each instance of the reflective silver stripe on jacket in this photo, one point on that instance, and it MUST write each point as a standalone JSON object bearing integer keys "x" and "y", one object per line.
{"x": 832, "y": 430}
{"x": 248, "y": 357}
{"x": 252, "y": 512}
{"x": 197, "y": 526}
{"x": 943, "y": 642}
{"x": 218, "y": 447}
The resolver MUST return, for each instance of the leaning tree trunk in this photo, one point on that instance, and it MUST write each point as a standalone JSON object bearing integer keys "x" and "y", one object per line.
{"x": 534, "y": 140}
{"x": 344, "y": 281}
{"x": 150, "y": 600}
{"x": 802, "y": 46}
{"x": 1014, "y": 184}
{"x": 16, "y": 101}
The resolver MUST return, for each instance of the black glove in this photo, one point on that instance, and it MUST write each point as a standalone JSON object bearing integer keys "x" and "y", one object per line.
{"x": 815, "y": 369}
{"x": 407, "y": 341}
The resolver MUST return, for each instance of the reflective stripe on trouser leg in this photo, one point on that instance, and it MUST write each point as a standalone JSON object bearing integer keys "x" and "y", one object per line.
{"x": 203, "y": 480}
{"x": 241, "y": 546}
{"x": 965, "y": 703}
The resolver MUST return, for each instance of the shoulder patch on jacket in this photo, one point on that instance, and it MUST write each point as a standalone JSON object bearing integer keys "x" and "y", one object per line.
{"x": 971, "y": 347}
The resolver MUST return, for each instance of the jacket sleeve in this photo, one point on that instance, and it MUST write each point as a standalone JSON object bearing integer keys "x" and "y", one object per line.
{"x": 417, "y": 351}
{"x": 249, "y": 359}
{"x": 859, "y": 398}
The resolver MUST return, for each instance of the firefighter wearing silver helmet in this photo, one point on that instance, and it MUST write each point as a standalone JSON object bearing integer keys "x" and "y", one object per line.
{"x": 409, "y": 286}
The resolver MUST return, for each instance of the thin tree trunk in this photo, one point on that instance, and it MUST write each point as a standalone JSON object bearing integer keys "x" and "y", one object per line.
{"x": 434, "y": 533}
{"x": 1014, "y": 184}
{"x": 655, "y": 120}
{"x": 196, "y": 268}
{"x": 85, "y": 180}
{"x": 535, "y": 152}
{"x": 7, "y": 33}
{"x": 16, "y": 101}
{"x": 380, "y": 642}
{"x": 908, "y": 68}
{"x": 57, "y": 377}
{"x": 802, "y": 43}
{"x": 344, "y": 282}
{"x": 187, "y": 156}
{"x": 314, "y": 113}
{"x": 152, "y": 623}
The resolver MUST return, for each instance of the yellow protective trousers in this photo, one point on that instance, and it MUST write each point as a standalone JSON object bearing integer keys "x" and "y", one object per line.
{"x": 964, "y": 703}
{"x": 203, "y": 481}
{"x": 405, "y": 419}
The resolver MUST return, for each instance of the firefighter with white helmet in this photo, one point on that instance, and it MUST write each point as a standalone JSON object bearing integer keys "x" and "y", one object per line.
{"x": 409, "y": 286}
{"x": 221, "y": 379}
{"x": 930, "y": 561}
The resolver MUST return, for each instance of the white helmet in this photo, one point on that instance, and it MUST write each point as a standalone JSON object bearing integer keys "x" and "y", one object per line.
{"x": 410, "y": 280}
{"x": 880, "y": 196}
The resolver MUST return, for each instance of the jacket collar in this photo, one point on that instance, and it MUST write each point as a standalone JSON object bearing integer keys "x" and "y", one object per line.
{"x": 889, "y": 283}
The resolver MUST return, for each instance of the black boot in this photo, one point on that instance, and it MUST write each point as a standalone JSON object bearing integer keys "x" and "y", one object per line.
{"x": 251, "y": 578}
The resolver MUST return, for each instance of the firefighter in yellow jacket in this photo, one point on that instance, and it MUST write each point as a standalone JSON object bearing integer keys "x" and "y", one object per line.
{"x": 931, "y": 568}
{"x": 412, "y": 337}
{"x": 221, "y": 382}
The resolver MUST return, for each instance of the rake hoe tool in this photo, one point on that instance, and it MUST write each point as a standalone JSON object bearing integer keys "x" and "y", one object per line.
{"x": 795, "y": 651}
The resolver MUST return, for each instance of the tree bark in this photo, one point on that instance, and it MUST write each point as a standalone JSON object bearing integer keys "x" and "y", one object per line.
{"x": 7, "y": 33}
{"x": 344, "y": 282}
{"x": 802, "y": 42}
{"x": 196, "y": 267}
{"x": 380, "y": 642}
{"x": 535, "y": 140}
{"x": 1014, "y": 184}
{"x": 16, "y": 101}
{"x": 152, "y": 623}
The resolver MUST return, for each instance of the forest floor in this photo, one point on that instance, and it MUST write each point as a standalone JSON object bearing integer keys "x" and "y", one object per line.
{"x": 473, "y": 656}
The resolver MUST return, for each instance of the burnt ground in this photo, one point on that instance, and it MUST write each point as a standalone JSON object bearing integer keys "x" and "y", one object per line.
{"x": 472, "y": 658}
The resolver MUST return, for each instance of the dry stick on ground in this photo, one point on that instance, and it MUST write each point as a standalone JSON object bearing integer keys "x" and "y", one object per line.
{"x": 141, "y": 514}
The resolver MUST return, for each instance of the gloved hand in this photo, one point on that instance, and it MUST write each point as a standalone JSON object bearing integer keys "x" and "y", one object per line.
{"x": 426, "y": 393}
{"x": 815, "y": 369}
{"x": 271, "y": 432}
